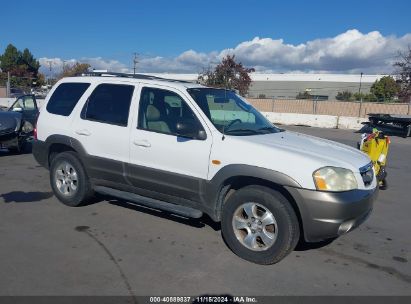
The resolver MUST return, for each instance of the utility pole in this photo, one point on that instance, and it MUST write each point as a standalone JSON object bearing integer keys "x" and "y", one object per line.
{"x": 135, "y": 61}
{"x": 359, "y": 90}
{"x": 8, "y": 85}
{"x": 49, "y": 62}
{"x": 359, "y": 93}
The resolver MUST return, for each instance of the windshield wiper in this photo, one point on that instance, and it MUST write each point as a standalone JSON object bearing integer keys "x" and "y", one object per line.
{"x": 271, "y": 128}
{"x": 242, "y": 130}
{"x": 266, "y": 128}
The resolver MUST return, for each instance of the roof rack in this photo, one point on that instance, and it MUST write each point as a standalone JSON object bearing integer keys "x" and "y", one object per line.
{"x": 125, "y": 75}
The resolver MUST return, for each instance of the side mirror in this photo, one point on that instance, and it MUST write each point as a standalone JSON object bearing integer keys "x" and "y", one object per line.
{"x": 190, "y": 130}
{"x": 17, "y": 109}
{"x": 202, "y": 135}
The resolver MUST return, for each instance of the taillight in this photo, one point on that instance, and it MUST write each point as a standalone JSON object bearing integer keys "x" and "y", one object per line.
{"x": 35, "y": 127}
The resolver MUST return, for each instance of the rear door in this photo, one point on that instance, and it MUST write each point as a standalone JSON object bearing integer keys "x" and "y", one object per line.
{"x": 102, "y": 127}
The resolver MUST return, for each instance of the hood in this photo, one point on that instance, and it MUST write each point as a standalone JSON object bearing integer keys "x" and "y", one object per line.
{"x": 324, "y": 152}
{"x": 9, "y": 120}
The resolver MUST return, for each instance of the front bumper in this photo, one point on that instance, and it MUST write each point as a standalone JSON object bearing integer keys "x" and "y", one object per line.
{"x": 328, "y": 215}
{"x": 9, "y": 139}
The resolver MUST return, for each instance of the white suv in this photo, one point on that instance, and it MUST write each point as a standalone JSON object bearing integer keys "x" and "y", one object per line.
{"x": 189, "y": 149}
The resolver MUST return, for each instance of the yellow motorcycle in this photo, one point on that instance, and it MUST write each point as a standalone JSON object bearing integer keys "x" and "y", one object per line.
{"x": 376, "y": 146}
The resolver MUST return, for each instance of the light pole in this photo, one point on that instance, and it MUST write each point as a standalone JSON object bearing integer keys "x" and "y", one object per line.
{"x": 359, "y": 90}
{"x": 8, "y": 85}
{"x": 359, "y": 93}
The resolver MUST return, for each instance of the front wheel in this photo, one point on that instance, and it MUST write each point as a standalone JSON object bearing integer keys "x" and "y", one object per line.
{"x": 260, "y": 225}
{"x": 69, "y": 180}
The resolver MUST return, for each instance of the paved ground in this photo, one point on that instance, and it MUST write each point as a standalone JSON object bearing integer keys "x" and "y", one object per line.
{"x": 113, "y": 248}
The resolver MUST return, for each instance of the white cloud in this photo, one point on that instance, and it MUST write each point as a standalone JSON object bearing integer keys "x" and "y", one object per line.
{"x": 97, "y": 63}
{"x": 349, "y": 52}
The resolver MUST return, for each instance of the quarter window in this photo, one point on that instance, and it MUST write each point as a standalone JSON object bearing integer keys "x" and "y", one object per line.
{"x": 109, "y": 103}
{"x": 65, "y": 98}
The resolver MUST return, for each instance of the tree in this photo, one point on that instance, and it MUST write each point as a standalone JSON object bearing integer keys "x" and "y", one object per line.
{"x": 386, "y": 88}
{"x": 403, "y": 71}
{"x": 228, "y": 74}
{"x": 365, "y": 97}
{"x": 28, "y": 59}
{"x": 344, "y": 96}
{"x": 10, "y": 59}
{"x": 303, "y": 95}
{"x": 22, "y": 66}
{"x": 72, "y": 70}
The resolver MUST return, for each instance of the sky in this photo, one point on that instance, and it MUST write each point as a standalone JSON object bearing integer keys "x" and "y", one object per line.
{"x": 188, "y": 36}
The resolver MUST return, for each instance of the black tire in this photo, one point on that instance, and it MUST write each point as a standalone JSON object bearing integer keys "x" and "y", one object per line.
{"x": 383, "y": 184}
{"x": 83, "y": 191}
{"x": 288, "y": 233}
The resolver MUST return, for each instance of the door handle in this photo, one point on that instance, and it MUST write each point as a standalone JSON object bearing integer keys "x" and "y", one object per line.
{"x": 142, "y": 143}
{"x": 83, "y": 132}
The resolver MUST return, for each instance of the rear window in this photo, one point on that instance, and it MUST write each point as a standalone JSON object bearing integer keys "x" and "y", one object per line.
{"x": 65, "y": 98}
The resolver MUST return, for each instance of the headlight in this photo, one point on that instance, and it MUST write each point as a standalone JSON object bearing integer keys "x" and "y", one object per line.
{"x": 18, "y": 125}
{"x": 334, "y": 179}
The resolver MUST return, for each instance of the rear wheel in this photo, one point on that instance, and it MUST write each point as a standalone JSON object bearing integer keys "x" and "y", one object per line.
{"x": 260, "y": 225}
{"x": 69, "y": 180}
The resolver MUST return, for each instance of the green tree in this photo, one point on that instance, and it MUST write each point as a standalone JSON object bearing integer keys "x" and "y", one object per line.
{"x": 344, "y": 96}
{"x": 228, "y": 74}
{"x": 403, "y": 71}
{"x": 72, "y": 70}
{"x": 22, "y": 66}
{"x": 10, "y": 58}
{"x": 365, "y": 97}
{"x": 303, "y": 95}
{"x": 386, "y": 88}
{"x": 28, "y": 59}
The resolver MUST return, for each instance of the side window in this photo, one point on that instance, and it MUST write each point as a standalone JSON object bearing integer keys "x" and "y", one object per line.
{"x": 65, "y": 98}
{"x": 109, "y": 103}
{"x": 161, "y": 111}
{"x": 24, "y": 103}
{"x": 18, "y": 106}
{"x": 29, "y": 103}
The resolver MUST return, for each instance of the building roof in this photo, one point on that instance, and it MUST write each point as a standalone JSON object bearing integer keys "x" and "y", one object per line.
{"x": 315, "y": 77}
{"x": 285, "y": 77}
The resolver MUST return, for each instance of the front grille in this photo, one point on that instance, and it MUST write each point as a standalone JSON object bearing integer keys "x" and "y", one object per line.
{"x": 367, "y": 174}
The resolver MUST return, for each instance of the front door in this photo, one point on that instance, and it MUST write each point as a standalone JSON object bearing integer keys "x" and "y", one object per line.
{"x": 160, "y": 160}
{"x": 27, "y": 106}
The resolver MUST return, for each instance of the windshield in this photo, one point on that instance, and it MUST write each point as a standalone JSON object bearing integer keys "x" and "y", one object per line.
{"x": 231, "y": 114}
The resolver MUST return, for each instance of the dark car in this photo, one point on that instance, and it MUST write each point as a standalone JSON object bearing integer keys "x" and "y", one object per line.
{"x": 16, "y": 92}
{"x": 17, "y": 123}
